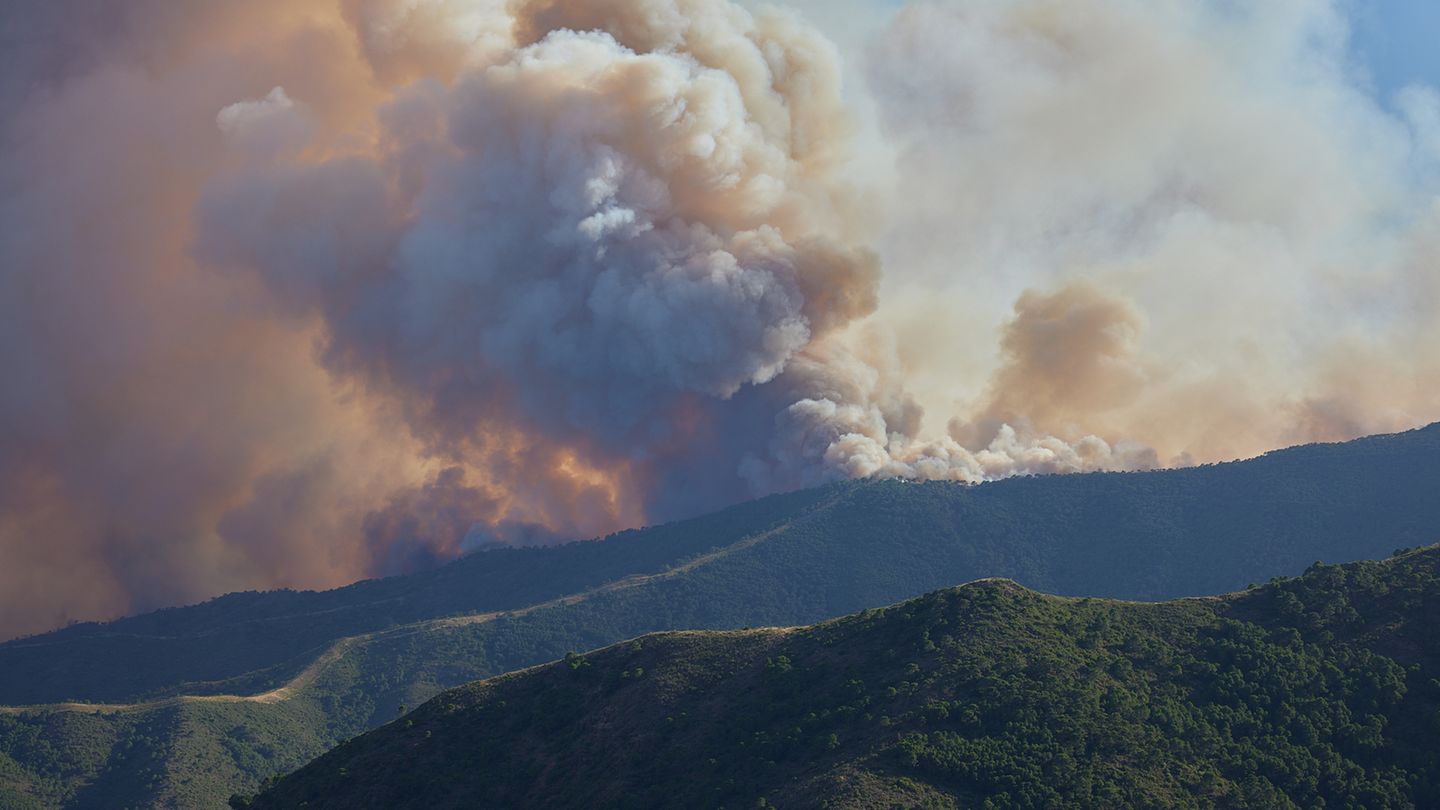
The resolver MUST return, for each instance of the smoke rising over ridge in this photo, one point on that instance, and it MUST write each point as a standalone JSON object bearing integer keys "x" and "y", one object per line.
{"x": 293, "y": 293}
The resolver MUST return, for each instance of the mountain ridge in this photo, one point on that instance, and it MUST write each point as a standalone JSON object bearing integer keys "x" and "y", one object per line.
{"x": 308, "y": 675}
{"x": 81, "y": 627}
{"x": 632, "y": 724}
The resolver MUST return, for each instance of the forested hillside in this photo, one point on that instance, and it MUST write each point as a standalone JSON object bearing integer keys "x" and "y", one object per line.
{"x": 189, "y": 705}
{"x": 1319, "y": 691}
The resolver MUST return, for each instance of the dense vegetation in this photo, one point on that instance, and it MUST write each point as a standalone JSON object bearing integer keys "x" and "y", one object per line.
{"x": 360, "y": 653}
{"x": 186, "y": 755}
{"x": 1319, "y": 691}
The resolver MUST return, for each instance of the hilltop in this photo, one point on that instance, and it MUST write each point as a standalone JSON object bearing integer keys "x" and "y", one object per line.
{"x": 1316, "y": 691}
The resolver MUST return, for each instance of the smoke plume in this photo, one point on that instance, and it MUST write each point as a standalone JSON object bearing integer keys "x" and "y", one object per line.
{"x": 293, "y": 293}
{"x": 1253, "y": 228}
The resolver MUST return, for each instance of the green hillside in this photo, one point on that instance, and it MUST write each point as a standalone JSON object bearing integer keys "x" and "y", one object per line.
{"x": 183, "y": 707}
{"x": 1319, "y": 691}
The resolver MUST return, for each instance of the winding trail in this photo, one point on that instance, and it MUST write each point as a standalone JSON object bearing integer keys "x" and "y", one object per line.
{"x": 338, "y": 649}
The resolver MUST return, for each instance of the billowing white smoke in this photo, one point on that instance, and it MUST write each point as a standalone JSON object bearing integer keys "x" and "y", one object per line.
{"x": 855, "y": 420}
{"x": 591, "y": 227}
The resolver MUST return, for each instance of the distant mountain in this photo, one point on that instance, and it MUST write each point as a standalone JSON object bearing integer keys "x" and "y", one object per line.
{"x": 1310, "y": 692}
{"x": 250, "y": 642}
{"x": 185, "y": 706}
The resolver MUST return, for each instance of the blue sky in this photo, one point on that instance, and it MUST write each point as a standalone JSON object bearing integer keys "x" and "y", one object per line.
{"x": 1400, "y": 41}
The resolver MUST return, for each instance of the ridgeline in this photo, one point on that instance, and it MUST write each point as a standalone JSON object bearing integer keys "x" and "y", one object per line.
{"x": 1319, "y": 691}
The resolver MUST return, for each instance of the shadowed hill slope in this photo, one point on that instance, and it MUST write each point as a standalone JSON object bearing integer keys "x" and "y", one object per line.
{"x": 1316, "y": 691}
{"x": 250, "y": 642}
{"x": 1140, "y": 535}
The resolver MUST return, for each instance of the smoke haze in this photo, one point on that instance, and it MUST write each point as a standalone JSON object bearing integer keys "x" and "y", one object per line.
{"x": 294, "y": 293}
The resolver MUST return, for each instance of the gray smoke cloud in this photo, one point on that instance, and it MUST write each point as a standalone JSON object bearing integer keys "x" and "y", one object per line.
{"x": 592, "y": 238}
